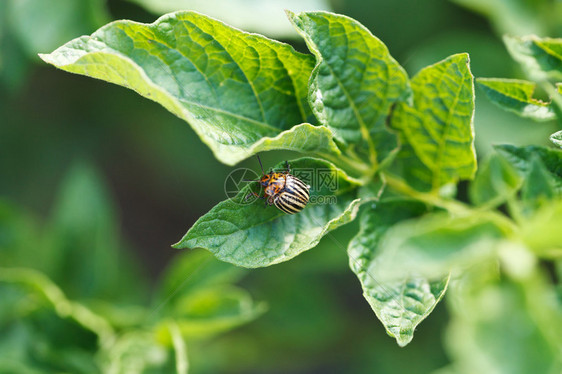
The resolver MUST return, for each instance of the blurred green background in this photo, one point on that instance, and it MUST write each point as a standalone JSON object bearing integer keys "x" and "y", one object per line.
{"x": 96, "y": 183}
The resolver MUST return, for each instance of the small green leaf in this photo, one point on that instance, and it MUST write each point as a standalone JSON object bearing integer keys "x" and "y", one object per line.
{"x": 437, "y": 133}
{"x": 251, "y": 235}
{"x": 18, "y": 238}
{"x": 211, "y": 311}
{"x": 403, "y": 303}
{"x": 520, "y": 158}
{"x": 538, "y": 190}
{"x": 541, "y": 57}
{"x": 517, "y": 97}
{"x": 539, "y": 186}
{"x": 540, "y": 231}
{"x": 355, "y": 81}
{"x": 496, "y": 181}
{"x": 62, "y": 347}
{"x": 85, "y": 253}
{"x": 48, "y": 293}
{"x": 503, "y": 327}
{"x": 195, "y": 270}
{"x": 136, "y": 349}
{"x": 556, "y": 138}
{"x": 234, "y": 88}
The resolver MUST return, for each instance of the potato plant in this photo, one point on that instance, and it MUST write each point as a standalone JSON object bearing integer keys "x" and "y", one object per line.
{"x": 396, "y": 147}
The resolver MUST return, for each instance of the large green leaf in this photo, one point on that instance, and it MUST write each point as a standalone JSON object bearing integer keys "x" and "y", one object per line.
{"x": 250, "y": 235}
{"x": 517, "y": 97}
{"x": 437, "y": 132}
{"x": 541, "y": 57}
{"x": 520, "y": 158}
{"x": 234, "y": 88}
{"x": 355, "y": 81}
{"x": 400, "y": 304}
{"x": 496, "y": 181}
{"x": 437, "y": 244}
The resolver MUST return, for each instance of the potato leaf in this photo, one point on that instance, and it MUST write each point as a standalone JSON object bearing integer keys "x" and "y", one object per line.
{"x": 541, "y": 57}
{"x": 437, "y": 132}
{"x": 517, "y": 97}
{"x": 251, "y": 235}
{"x": 242, "y": 93}
{"x": 400, "y": 304}
{"x": 355, "y": 81}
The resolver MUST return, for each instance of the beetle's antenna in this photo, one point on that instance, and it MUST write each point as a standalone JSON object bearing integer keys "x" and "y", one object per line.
{"x": 260, "y": 164}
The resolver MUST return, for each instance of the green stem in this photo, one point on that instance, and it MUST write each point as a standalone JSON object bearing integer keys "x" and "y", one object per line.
{"x": 62, "y": 306}
{"x": 355, "y": 167}
{"x": 182, "y": 364}
{"x": 399, "y": 185}
{"x": 452, "y": 206}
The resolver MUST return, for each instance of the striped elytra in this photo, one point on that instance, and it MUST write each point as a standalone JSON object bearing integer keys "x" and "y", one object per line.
{"x": 294, "y": 197}
{"x": 287, "y": 192}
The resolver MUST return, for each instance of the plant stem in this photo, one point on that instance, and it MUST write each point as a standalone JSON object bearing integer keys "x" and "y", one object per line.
{"x": 355, "y": 167}
{"x": 399, "y": 185}
{"x": 452, "y": 206}
{"x": 65, "y": 308}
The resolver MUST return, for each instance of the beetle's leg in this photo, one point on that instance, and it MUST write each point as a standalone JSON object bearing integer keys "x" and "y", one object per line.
{"x": 255, "y": 194}
{"x": 288, "y": 167}
{"x": 269, "y": 200}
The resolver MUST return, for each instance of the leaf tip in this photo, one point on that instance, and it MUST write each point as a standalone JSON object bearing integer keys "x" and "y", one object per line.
{"x": 45, "y": 57}
{"x": 290, "y": 14}
{"x": 404, "y": 340}
{"x": 179, "y": 245}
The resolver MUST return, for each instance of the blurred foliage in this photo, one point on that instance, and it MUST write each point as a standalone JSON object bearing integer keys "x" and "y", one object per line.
{"x": 98, "y": 316}
{"x": 265, "y": 17}
{"x": 29, "y": 26}
{"x": 163, "y": 178}
{"x": 519, "y": 17}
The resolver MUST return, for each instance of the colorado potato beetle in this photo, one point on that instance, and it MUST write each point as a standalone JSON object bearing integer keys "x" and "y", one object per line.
{"x": 288, "y": 193}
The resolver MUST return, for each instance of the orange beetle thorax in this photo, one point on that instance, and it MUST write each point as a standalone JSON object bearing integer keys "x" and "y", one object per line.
{"x": 273, "y": 183}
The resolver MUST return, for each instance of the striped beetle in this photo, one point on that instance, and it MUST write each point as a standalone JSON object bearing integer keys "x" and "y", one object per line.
{"x": 288, "y": 193}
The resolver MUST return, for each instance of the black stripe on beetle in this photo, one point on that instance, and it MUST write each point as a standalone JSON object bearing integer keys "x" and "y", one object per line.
{"x": 288, "y": 193}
